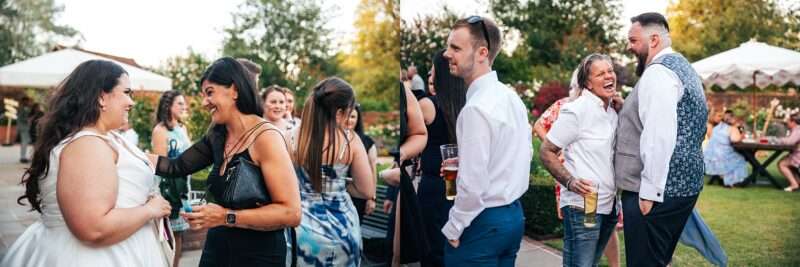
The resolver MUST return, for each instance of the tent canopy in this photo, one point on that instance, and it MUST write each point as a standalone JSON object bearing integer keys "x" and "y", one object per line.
{"x": 48, "y": 70}
{"x": 751, "y": 61}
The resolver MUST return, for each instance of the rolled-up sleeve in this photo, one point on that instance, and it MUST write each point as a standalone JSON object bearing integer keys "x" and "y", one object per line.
{"x": 659, "y": 93}
{"x": 474, "y": 146}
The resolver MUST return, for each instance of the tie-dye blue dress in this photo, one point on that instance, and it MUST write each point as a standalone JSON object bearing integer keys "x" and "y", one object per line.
{"x": 329, "y": 233}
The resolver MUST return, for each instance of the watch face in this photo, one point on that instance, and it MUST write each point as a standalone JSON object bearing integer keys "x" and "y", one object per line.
{"x": 230, "y": 218}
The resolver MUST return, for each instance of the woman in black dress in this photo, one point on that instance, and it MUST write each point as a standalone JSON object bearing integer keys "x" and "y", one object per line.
{"x": 440, "y": 112}
{"x": 243, "y": 237}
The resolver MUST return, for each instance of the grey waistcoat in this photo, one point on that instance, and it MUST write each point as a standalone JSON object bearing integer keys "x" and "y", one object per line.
{"x": 686, "y": 171}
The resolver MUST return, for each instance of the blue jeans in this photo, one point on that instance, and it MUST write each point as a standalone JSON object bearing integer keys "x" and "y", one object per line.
{"x": 583, "y": 246}
{"x": 491, "y": 240}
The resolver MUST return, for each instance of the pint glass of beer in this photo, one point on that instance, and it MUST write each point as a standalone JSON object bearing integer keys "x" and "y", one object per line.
{"x": 590, "y": 206}
{"x": 450, "y": 167}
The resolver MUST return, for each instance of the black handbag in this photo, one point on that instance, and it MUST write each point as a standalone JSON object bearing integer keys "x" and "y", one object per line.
{"x": 245, "y": 186}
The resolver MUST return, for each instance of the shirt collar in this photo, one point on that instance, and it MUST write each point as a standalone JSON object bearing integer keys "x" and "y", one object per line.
{"x": 594, "y": 99}
{"x": 663, "y": 52}
{"x": 482, "y": 81}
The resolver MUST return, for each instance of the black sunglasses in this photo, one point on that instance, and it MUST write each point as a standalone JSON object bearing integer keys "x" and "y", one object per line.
{"x": 479, "y": 19}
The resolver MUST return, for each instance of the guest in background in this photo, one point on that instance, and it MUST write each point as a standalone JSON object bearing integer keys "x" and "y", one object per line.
{"x": 253, "y": 69}
{"x": 24, "y": 127}
{"x": 355, "y": 126}
{"x": 170, "y": 139}
{"x": 440, "y": 113}
{"x": 36, "y": 114}
{"x": 417, "y": 83}
{"x": 792, "y": 160}
{"x": 294, "y": 122}
{"x": 275, "y": 107}
{"x": 719, "y": 156}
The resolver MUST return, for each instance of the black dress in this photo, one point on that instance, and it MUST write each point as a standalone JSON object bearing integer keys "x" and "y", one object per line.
{"x": 225, "y": 246}
{"x": 414, "y": 245}
{"x": 434, "y": 206}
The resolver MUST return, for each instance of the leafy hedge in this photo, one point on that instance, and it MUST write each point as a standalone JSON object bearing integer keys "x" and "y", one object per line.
{"x": 539, "y": 202}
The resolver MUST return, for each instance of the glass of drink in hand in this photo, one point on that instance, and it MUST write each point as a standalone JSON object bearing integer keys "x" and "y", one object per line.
{"x": 450, "y": 169}
{"x": 590, "y": 206}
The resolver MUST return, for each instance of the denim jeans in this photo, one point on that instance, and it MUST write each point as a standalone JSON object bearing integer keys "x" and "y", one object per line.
{"x": 583, "y": 245}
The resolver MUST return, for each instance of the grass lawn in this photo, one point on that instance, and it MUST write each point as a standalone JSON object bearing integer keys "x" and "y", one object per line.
{"x": 757, "y": 226}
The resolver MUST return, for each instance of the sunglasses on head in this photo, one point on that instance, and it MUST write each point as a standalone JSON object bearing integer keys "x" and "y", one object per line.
{"x": 479, "y": 19}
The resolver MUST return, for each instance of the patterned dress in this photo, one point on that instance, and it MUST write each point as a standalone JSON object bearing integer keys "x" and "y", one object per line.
{"x": 329, "y": 233}
{"x": 721, "y": 159}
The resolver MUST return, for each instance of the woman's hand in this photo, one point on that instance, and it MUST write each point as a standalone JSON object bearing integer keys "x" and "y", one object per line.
{"x": 206, "y": 216}
{"x": 370, "y": 207}
{"x": 158, "y": 207}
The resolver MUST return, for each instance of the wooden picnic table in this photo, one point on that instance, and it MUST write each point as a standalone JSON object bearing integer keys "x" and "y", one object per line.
{"x": 749, "y": 149}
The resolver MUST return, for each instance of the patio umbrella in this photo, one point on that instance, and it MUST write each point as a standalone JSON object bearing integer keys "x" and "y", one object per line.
{"x": 751, "y": 64}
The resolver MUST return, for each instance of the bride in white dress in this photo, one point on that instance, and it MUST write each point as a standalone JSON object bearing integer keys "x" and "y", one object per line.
{"x": 91, "y": 187}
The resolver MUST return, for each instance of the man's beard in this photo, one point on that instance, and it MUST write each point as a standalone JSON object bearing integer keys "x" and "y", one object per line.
{"x": 642, "y": 63}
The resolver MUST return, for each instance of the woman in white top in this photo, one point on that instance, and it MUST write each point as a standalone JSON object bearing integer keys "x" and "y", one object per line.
{"x": 91, "y": 187}
{"x": 585, "y": 129}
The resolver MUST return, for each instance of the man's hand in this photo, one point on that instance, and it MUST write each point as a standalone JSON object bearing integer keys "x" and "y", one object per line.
{"x": 645, "y": 206}
{"x": 454, "y": 243}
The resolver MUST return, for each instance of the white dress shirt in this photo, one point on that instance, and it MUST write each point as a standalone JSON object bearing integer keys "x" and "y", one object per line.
{"x": 494, "y": 145}
{"x": 586, "y": 131}
{"x": 660, "y": 89}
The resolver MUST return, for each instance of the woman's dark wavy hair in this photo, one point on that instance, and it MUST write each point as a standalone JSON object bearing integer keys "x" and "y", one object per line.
{"x": 319, "y": 120}
{"x": 164, "y": 113}
{"x": 227, "y": 71}
{"x": 451, "y": 93}
{"x": 72, "y": 106}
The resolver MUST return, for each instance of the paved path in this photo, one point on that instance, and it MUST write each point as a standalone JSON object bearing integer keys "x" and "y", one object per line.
{"x": 15, "y": 218}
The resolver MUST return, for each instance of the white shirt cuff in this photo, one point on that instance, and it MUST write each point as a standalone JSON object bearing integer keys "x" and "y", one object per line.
{"x": 650, "y": 192}
{"x": 450, "y": 231}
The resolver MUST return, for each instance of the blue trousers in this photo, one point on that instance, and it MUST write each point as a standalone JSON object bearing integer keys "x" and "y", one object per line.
{"x": 583, "y": 245}
{"x": 492, "y": 239}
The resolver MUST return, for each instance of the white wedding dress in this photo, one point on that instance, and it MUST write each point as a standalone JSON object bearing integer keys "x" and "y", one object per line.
{"x": 48, "y": 242}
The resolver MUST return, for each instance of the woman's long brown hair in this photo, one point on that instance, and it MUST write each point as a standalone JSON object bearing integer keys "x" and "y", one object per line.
{"x": 73, "y": 106}
{"x": 319, "y": 121}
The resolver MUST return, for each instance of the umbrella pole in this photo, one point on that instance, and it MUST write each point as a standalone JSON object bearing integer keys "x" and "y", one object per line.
{"x": 753, "y": 99}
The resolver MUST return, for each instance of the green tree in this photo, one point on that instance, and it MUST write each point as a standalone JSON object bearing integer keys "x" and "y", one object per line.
{"x": 289, "y": 39}
{"x": 28, "y": 28}
{"x": 373, "y": 64}
{"x": 701, "y": 28}
{"x": 556, "y": 35}
{"x": 423, "y": 36}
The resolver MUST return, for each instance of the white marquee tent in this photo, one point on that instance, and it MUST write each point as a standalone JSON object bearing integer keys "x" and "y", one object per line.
{"x": 751, "y": 62}
{"x": 47, "y": 70}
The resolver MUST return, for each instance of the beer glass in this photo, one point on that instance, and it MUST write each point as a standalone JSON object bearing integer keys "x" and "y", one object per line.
{"x": 450, "y": 169}
{"x": 590, "y": 206}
